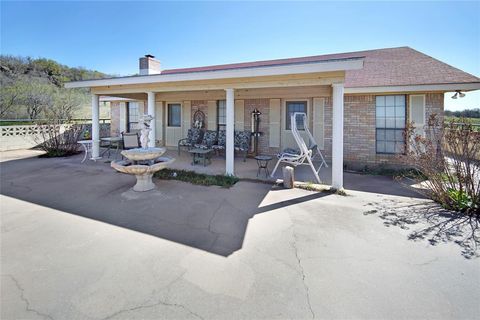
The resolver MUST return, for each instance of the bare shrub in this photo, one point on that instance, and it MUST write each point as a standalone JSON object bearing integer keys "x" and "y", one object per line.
{"x": 448, "y": 157}
{"x": 58, "y": 134}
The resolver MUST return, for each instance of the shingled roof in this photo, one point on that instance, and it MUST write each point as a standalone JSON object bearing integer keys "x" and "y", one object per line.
{"x": 382, "y": 67}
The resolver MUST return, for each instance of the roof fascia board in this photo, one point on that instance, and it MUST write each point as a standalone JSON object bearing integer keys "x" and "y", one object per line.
{"x": 311, "y": 67}
{"x": 426, "y": 87}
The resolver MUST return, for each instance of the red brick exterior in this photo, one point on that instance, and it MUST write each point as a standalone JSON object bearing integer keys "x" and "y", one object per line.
{"x": 201, "y": 105}
{"x": 359, "y": 126}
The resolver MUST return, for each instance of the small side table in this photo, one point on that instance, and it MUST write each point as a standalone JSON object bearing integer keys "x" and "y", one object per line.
{"x": 201, "y": 154}
{"x": 262, "y": 162}
{"x": 87, "y": 146}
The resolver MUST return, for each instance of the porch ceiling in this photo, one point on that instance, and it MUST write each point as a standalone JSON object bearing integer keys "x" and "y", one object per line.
{"x": 294, "y": 80}
{"x": 255, "y": 93}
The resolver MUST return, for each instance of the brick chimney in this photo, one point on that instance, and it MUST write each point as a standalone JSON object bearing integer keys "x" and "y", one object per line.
{"x": 149, "y": 65}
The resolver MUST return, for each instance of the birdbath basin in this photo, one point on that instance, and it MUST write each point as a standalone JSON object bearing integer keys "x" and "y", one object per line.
{"x": 143, "y": 154}
{"x": 143, "y": 163}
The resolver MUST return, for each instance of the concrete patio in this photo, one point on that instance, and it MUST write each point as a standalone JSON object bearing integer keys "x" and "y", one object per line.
{"x": 77, "y": 243}
{"x": 248, "y": 170}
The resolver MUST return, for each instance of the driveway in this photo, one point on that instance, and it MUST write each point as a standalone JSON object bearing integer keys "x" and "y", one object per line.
{"x": 76, "y": 243}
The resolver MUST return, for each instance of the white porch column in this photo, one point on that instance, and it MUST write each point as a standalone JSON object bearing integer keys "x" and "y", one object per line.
{"x": 337, "y": 136}
{"x": 230, "y": 129}
{"x": 151, "y": 111}
{"x": 95, "y": 127}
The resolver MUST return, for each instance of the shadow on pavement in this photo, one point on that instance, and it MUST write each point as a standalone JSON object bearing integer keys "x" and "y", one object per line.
{"x": 207, "y": 218}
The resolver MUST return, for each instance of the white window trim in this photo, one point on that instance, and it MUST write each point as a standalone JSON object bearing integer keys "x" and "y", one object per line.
{"x": 410, "y": 107}
{"x": 168, "y": 114}
{"x": 284, "y": 111}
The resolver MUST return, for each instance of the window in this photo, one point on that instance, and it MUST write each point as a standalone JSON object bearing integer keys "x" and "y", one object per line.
{"x": 221, "y": 114}
{"x": 174, "y": 115}
{"x": 292, "y": 107}
{"x": 390, "y": 124}
{"x": 133, "y": 116}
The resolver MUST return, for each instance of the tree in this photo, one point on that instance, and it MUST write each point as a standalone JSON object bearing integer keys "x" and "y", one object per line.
{"x": 37, "y": 96}
{"x": 10, "y": 93}
{"x": 64, "y": 103}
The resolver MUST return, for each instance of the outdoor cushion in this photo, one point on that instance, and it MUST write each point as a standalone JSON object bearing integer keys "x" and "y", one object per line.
{"x": 220, "y": 145}
{"x": 209, "y": 139}
{"x": 242, "y": 140}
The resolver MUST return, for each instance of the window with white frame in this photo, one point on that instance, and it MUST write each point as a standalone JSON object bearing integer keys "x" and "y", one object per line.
{"x": 221, "y": 114}
{"x": 390, "y": 113}
{"x": 291, "y": 108}
{"x": 174, "y": 115}
{"x": 133, "y": 116}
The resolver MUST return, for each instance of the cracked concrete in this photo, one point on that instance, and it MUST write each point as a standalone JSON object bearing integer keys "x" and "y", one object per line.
{"x": 73, "y": 248}
{"x": 307, "y": 293}
{"x": 28, "y": 309}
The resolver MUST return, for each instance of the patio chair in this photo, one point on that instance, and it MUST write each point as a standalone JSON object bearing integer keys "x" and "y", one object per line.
{"x": 220, "y": 145}
{"x": 242, "y": 142}
{"x": 208, "y": 140}
{"x": 130, "y": 140}
{"x": 194, "y": 136}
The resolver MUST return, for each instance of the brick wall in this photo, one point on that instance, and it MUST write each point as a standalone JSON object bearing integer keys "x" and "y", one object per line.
{"x": 263, "y": 105}
{"x": 115, "y": 118}
{"x": 359, "y": 126}
{"x": 201, "y": 105}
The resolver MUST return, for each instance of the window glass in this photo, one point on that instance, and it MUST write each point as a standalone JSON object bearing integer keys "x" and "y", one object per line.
{"x": 133, "y": 117}
{"x": 221, "y": 114}
{"x": 390, "y": 114}
{"x": 292, "y": 107}
{"x": 174, "y": 115}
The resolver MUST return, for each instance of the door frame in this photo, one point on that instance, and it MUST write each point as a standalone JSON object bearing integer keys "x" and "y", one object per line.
{"x": 168, "y": 129}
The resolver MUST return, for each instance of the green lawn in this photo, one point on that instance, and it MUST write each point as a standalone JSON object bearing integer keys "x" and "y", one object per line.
{"x": 475, "y": 121}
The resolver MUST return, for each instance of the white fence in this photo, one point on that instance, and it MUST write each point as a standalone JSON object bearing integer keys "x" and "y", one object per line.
{"x": 21, "y": 137}
{"x": 28, "y": 136}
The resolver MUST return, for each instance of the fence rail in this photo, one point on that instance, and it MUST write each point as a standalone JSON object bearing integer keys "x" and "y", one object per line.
{"x": 27, "y": 136}
{"x": 21, "y": 122}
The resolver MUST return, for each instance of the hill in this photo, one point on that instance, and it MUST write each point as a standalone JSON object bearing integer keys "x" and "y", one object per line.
{"x": 30, "y": 87}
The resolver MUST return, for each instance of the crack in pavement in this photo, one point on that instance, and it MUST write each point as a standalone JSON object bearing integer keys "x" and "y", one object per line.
{"x": 28, "y": 308}
{"x": 294, "y": 245}
{"x": 147, "y": 306}
{"x": 163, "y": 302}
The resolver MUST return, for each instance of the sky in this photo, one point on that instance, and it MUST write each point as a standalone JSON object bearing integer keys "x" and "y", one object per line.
{"x": 110, "y": 36}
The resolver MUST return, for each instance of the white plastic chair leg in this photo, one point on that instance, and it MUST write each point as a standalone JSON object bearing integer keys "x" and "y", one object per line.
{"x": 276, "y": 167}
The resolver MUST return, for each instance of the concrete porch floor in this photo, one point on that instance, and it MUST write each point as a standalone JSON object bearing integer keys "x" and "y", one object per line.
{"x": 303, "y": 173}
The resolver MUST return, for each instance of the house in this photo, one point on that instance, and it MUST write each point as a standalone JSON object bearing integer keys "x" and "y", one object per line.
{"x": 358, "y": 103}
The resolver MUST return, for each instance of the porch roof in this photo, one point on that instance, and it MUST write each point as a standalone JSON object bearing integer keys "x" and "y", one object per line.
{"x": 277, "y": 70}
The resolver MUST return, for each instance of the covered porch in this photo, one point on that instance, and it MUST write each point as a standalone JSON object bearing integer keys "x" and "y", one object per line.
{"x": 316, "y": 83}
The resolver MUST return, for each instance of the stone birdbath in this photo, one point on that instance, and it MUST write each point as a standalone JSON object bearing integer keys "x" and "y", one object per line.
{"x": 143, "y": 162}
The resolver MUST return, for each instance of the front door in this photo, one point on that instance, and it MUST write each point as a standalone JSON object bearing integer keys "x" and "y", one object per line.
{"x": 173, "y": 129}
{"x": 288, "y": 109}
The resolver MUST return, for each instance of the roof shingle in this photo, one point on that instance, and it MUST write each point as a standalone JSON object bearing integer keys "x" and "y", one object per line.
{"x": 382, "y": 67}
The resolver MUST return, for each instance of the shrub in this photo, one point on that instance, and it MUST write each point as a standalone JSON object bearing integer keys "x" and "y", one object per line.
{"x": 197, "y": 178}
{"x": 448, "y": 156}
{"x": 58, "y": 135}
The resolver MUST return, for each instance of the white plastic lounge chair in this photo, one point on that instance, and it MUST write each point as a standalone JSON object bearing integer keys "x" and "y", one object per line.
{"x": 305, "y": 155}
